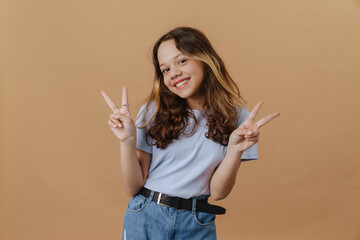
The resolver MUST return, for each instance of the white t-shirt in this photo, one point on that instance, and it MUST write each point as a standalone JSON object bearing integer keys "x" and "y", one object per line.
{"x": 184, "y": 168}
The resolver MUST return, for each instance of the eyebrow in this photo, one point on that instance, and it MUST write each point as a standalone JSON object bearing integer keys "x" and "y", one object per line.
{"x": 173, "y": 58}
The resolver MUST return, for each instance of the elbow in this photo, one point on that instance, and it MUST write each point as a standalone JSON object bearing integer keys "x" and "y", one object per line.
{"x": 221, "y": 194}
{"x": 218, "y": 194}
{"x": 133, "y": 188}
{"x": 130, "y": 194}
{"x": 217, "y": 197}
{"x": 132, "y": 191}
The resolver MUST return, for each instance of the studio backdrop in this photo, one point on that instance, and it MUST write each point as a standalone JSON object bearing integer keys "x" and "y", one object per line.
{"x": 60, "y": 162}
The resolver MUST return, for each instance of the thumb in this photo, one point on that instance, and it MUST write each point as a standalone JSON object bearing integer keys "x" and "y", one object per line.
{"x": 252, "y": 133}
{"x": 240, "y": 131}
{"x": 247, "y": 132}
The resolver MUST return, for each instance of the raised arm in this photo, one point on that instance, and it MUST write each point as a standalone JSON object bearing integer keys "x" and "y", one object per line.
{"x": 242, "y": 138}
{"x": 134, "y": 164}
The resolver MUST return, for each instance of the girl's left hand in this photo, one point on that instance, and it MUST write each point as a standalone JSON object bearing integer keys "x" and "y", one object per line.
{"x": 247, "y": 134}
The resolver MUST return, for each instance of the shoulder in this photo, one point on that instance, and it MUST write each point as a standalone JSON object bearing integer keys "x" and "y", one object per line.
{"x": 146, "y": 112}
{"x": 242, "y": 114}
{"x": 148, "y": 106}
{"x": 242, "y": 111}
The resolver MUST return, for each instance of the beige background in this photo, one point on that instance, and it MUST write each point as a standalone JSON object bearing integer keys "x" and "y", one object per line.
{"x": 60, "y": 174}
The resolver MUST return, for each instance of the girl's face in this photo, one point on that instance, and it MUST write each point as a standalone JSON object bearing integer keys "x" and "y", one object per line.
{"x": 182, "y": 75}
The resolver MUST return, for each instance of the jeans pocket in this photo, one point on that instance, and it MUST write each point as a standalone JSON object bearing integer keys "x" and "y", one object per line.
{"x": 137, "y": 203}
{"x": 204, "y": 219}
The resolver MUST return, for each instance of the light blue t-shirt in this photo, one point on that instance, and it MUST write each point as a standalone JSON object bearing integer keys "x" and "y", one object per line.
{"x": 184, "y": 168}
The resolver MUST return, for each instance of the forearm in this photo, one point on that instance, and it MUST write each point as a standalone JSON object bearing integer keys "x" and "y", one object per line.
{"x": 131, "y": 173}
{"x": 224, "y": 178}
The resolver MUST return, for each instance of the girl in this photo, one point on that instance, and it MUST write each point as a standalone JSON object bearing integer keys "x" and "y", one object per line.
{"x": 187, "y": 143}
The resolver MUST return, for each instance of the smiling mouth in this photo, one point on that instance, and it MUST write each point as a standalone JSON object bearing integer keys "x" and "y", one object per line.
{"x": 182, "y": 84}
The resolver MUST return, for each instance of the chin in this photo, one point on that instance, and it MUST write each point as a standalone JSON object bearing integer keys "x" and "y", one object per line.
{"x": 182, "y": 95}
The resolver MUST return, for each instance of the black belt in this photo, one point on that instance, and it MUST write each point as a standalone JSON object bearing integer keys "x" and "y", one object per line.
{"x": 180, "y": 203}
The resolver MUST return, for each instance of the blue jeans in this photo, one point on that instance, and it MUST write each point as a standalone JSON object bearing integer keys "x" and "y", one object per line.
{"x": 146, "y": 220}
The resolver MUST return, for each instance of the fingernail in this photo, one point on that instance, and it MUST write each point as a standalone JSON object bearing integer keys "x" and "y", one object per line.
{"x": 119, "y": 125}
{"x": 249, "y": 132}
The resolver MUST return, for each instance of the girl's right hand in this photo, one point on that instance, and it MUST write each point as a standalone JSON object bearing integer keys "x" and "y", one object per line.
{"x": 121, "y": 122}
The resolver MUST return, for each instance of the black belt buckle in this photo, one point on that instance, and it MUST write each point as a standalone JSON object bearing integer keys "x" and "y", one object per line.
{"x": 159, "y": 201}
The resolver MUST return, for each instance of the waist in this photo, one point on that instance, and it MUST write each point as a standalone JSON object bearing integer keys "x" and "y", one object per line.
{"x": 198, "y": 204}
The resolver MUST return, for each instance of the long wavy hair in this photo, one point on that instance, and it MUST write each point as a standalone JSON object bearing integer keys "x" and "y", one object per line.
{"x": 221, "y": 94}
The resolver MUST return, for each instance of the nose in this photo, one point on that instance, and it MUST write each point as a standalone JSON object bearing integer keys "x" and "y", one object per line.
{"x": 175, "y": 72}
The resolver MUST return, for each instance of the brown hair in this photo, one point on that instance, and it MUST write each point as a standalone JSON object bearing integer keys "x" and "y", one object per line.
{"x": 220, "y": 92}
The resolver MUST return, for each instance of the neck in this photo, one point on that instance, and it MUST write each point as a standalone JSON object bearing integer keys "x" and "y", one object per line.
{"x": 195, "y": 103}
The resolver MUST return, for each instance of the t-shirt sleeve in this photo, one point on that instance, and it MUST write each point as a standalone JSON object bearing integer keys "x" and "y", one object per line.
{"x": 141, "y": 142}
{"x": 251, "y": 153}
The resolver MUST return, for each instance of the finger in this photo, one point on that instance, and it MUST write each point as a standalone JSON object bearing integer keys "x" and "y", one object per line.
{"x": 116, "y": 123}
{"x": 240, "y": 131}
{"x": 115, "y": 116}
{"x": 125, "y": 98}
{"x": 255, "y": 139}
{"x": 123, "y": 118}
{"x": 253, "y": 133}
{"x": 255, "y": 110}
{"x": 115, "y": 120}
{"x": 109, "y": 101}
{"x": 267, "y": 119}
{"x": 111, "y": 124}
{"x": 250, "y": 137}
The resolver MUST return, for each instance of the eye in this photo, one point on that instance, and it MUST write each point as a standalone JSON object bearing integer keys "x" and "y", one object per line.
{"x": 182, "y": 61}
{"x": 165, "y": 70}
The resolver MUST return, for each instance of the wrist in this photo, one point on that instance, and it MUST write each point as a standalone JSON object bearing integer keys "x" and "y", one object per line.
{"x": 233, "y": 151}
{"x": 130, "y": 142}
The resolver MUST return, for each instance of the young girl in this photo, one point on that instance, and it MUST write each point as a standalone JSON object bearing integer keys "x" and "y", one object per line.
{"x": 187, "y": 143}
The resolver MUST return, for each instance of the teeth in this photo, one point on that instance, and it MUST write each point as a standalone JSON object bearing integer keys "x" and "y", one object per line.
{"x": 182, "y": 83}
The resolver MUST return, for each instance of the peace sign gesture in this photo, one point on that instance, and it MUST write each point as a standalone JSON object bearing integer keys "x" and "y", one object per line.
{"x": 247, "y": 134}
{"x": 121, "y": 122}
